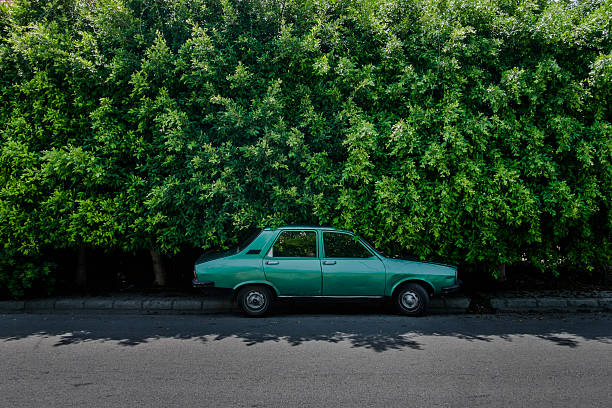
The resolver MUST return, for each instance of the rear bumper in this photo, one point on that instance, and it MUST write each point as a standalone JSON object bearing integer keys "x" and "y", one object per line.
{"x": 452, "y": 289}
{"x": 202, "y": 284}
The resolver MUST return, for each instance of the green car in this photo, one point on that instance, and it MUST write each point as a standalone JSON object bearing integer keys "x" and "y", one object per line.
{"x": 320, "y": 262}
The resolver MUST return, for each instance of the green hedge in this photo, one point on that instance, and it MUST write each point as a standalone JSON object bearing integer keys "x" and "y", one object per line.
{"x": 477, "y": 131}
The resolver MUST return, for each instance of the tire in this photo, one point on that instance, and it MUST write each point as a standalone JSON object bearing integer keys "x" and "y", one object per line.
{"x": 411, "y": 300}
{"x": 254, "y": 301}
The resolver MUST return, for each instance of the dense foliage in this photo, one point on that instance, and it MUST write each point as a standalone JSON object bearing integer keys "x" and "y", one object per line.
{"x": 477, "y": 131}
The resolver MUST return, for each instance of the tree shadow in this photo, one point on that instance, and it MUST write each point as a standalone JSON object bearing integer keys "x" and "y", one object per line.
{"x": 561, "y": 341}
{"x": 375, "y": 332}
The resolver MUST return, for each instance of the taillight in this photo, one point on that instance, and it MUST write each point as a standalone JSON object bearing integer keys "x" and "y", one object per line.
{"x": 194, "y": 274}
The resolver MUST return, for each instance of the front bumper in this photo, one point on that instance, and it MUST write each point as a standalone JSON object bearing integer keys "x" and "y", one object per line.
{"x": 202, "y": 284}
{"x": 452, "y": 289}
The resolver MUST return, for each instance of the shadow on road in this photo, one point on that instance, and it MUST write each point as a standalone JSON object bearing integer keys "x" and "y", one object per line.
{"x": 377, "y": 332}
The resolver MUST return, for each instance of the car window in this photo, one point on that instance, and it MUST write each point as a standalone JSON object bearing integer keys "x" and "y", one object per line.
{"x": 339, "y": 245}
{"x": 295, "y": 244}
{"x": 247, "y": 237}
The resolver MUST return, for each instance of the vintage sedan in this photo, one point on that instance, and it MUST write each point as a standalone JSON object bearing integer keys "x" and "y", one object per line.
{"x": 320, "y": 262}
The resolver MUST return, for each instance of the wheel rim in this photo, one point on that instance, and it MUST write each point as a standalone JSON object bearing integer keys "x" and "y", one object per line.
{"x": 409, "y": 300}
{"x": 255, "y": 300}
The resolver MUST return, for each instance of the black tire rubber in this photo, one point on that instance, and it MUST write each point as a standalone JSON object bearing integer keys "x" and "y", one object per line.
{"x": 415, "y": 291}
{"x": 256, "y": 290}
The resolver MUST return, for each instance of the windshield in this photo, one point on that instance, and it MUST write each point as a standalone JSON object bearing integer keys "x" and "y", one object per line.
{"x": 372, "y": 247}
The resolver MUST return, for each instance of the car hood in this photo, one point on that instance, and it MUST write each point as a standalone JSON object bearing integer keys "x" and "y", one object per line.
{"x": 417, "y": 260}
{"x": 423, "y": 266}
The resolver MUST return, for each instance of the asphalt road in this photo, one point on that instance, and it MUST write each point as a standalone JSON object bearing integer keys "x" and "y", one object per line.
{"x": 291, "y": 360}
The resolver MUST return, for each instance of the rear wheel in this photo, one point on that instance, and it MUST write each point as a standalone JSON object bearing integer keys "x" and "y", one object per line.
{"x": 254, "y": 301}
{"x": 411, "y": 300}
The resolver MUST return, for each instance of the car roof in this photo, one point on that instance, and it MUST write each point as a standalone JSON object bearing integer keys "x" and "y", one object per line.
{"x": 317, "y": 227}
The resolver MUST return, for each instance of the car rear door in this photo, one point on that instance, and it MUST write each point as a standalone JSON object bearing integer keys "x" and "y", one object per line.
{"x": 349, "y": 268}
{"x": 292, "y": 263}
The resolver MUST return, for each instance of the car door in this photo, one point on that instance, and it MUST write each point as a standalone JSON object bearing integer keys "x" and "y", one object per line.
{"x": 349, "y": 268}
{"x": 292, "y": 263}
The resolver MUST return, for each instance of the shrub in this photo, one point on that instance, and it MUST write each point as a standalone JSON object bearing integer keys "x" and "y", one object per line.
{"x": 473, "y": 131}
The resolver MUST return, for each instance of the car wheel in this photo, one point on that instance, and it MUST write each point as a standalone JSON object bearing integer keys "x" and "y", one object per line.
{"x": 411, "y": 300}
{"x": 254, "y": 301}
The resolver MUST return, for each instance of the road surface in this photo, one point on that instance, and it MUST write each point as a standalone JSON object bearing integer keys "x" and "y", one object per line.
{"x": 292, "y": 360}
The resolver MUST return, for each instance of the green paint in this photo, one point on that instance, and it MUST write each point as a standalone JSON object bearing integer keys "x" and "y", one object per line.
{"x": 320, "y": 275}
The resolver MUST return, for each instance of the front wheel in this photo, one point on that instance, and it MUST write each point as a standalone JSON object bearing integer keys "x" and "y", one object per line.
{"x": 411, "y": 300}
{"x": 254, "y": 301}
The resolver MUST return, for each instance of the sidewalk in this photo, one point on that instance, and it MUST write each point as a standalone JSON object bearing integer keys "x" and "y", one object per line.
{"x": 142, "y": 304}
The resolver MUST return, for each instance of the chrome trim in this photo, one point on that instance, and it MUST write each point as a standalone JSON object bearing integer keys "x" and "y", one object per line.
{"x": 333, "y": 297}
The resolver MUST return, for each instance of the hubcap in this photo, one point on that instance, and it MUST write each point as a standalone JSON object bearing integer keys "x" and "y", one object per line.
{"x": 255, "y": 300}
{"x": 410, "y": 300}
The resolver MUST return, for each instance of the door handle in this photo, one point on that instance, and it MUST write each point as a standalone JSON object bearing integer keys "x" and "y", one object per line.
{"x": 329, "y": 262}
{"x": 271, "y": 262}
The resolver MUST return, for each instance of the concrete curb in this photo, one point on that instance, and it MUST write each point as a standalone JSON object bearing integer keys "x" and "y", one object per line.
{"x": 212, "y": 305}
{"x": 164, "y": 305}
{"x": 113, "y": 305}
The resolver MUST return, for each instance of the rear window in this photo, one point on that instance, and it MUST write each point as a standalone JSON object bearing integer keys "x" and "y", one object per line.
{"x": 247, "y": 237}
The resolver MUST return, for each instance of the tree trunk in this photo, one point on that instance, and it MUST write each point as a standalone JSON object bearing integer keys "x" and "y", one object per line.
{"x": 81, "y": 272}
{"x": 158, "y": 269}
{"x": 501, "y": 272}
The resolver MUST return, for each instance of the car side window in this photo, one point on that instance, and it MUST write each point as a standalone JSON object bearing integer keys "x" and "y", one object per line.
{"x": 295, "y": 244}
{"x": 339, "y": 245}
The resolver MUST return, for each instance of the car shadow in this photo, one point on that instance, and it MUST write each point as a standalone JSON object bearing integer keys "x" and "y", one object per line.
{"x": 373, "y": 331}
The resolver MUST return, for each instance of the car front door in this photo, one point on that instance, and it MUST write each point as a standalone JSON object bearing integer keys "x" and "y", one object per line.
{"x": 292, "y": 263}
{"x": 349, "y": 268}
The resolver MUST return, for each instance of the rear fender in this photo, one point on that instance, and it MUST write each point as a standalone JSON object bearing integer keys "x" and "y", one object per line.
{"x": 257, "y": 282}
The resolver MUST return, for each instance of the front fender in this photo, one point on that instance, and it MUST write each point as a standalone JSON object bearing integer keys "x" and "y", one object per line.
{"x": 435, "y": 276}
{"x": 413, "y": 279}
